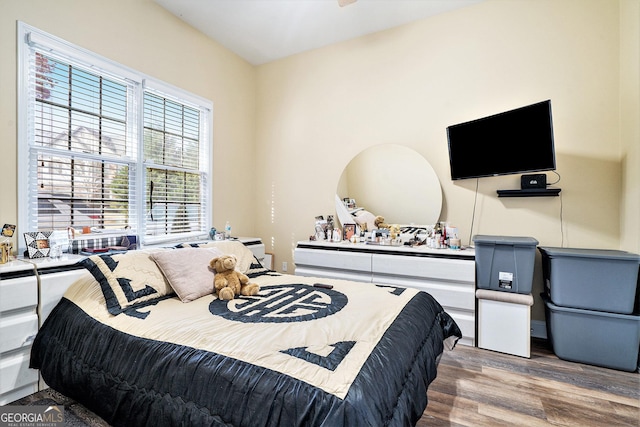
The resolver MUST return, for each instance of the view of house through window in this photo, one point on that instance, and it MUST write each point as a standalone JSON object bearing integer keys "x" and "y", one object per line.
{"x": 109, "y": 150}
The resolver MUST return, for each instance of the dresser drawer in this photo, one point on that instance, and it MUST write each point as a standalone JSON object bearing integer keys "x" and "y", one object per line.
{"x": 17, "y": 293}
{"x": 459, "y": 295}
{"x": 53, "y": 286}
{"x": 358, "y": 276}
{"x": 17, "y": 331}
{"x": 455, "y": 270}
{"x": 15, "y": 372}
{"x": 337, "y": 260}
{"x": 19, "y": 393}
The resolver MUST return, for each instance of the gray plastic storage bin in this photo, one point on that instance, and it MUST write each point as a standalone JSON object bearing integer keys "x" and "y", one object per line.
{"x": 592, "y": 279}
{"x": 597, "y": 338}
{"x": 505, "y": 263}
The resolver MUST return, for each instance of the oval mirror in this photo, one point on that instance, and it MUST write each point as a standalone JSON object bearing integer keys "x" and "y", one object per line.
{"x": 395, "y": 182}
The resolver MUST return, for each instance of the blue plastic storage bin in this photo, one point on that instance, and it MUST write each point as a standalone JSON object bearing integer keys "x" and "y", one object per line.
{"x": 594, "y": 337}
{"x": 591, "y": 279}
{"x": 505, "y": 263}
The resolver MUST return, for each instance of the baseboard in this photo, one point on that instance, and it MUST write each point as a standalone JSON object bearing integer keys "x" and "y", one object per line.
{"x": 539, "y": 329}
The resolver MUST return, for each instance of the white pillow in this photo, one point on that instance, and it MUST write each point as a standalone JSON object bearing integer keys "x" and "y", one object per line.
{"x": 187, "y": 270}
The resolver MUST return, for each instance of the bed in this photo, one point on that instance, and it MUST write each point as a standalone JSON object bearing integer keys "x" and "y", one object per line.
{"x": 142, "y": 340}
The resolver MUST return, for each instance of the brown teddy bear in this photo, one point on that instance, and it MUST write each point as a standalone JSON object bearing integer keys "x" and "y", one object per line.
{"x": 379, "y": 222}
{"x": 227, "y": 281}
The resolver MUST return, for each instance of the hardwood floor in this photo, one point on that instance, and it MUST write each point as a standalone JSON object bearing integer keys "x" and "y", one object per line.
{"x": 477, "y": 387}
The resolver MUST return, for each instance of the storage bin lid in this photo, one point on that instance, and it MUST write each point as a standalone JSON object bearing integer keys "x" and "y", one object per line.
{"x": 505, "y": 240}
{"x": 579, "y": 311}
{"x": 589, "y": 253}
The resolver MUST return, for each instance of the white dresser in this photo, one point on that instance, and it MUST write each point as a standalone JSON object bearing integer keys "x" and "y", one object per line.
{"x": 448, "y": 275}
{"x": 29, "y": 289}
{"x": 18, "y": 328}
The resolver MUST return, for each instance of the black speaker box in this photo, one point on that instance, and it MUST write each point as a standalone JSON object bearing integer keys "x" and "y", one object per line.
{"x": 537, "y": 180}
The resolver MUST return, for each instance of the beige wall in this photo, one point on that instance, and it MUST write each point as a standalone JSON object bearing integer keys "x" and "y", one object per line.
{"x": 284, "y": 131}
{"x": 318, "y": 109}
{"x": 143, "y": 36}
{"x": 630, "y": 122}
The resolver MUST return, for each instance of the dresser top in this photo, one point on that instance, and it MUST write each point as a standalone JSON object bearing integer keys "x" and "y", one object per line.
{"x": 14, "y": 266}
{"x": 64, "y": 260}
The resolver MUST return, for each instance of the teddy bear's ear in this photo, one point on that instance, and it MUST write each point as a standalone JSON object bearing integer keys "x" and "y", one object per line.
{"x": 212, "y": 263}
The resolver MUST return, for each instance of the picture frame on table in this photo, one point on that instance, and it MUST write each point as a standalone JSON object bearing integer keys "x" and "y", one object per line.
{"x": 8, "y": 230}
{"x": 38, "y": 245}
{"x": 348, "y": 230}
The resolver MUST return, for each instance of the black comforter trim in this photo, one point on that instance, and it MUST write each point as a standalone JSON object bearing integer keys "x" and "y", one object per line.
{"x": 407, "y": 398}
{"x": 414, "y": 366}
{"x": 121, "y": 384}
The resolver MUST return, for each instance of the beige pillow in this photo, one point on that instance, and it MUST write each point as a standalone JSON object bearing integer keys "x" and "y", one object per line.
{"x": 228, "y": 247}
{"x": 128, "y": 279}
{"x": 187, "y": 270}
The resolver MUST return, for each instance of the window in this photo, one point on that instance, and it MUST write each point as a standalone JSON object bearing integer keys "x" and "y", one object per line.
{"x": 106, "y": 147}
{"x": 82, "y": 149}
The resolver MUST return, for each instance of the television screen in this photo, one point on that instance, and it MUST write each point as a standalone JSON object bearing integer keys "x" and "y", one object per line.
{"x": 516, "y": 141}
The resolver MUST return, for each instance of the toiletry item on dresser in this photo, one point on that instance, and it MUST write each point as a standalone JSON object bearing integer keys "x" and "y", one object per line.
{"x": 5, "y": 252}
{"x": 330, "y": 227}
{"x": 227, "y": 230}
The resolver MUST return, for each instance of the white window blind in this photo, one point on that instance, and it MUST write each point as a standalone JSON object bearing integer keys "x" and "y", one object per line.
{"x": 83, "y": 152}
{"x": 103, "y": 146}
{"x": 172, "y": 158}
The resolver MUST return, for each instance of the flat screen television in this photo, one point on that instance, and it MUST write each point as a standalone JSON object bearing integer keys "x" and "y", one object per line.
{"x": 515, "y": 141}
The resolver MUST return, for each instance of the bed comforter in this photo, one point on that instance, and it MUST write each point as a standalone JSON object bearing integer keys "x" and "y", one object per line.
{"x": 294, "y": 355}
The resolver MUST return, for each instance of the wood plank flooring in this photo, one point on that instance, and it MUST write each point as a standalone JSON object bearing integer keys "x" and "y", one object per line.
{"x": 477, "y": 387}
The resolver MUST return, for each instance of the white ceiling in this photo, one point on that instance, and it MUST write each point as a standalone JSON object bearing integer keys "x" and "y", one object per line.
{"x": 261, "y": 31}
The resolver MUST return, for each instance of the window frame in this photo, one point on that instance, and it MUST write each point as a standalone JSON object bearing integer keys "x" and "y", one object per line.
{"x": 29, "y": 36}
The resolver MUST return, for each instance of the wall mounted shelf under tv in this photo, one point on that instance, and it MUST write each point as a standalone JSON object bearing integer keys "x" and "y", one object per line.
{"x": 530, "y": 192}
